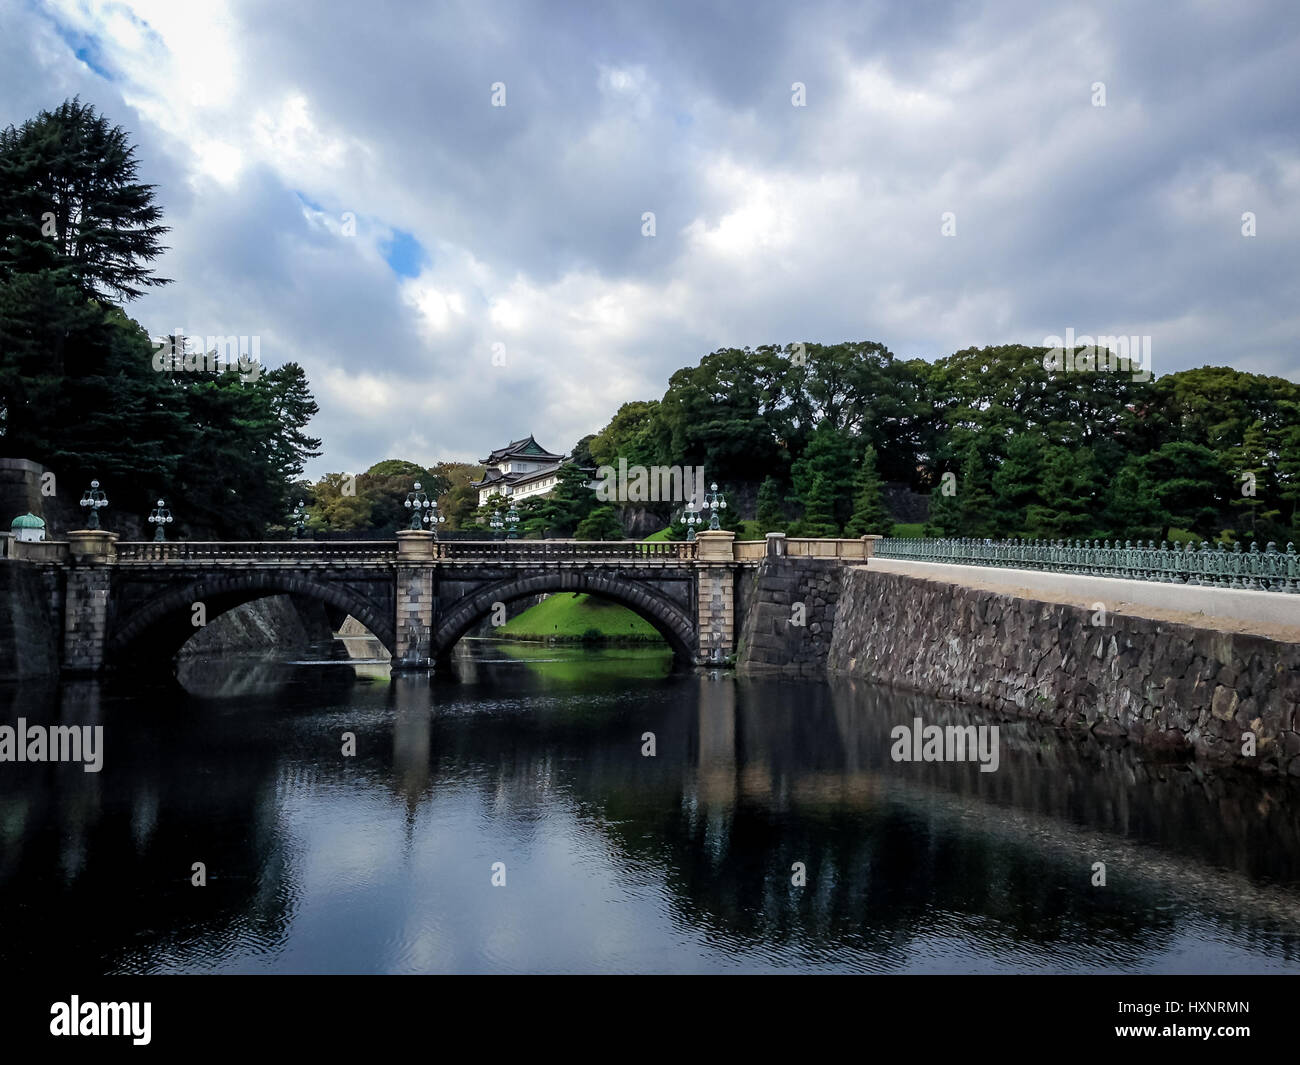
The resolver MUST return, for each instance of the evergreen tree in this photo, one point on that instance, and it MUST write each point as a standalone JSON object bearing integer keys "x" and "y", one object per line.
{"x": 1016, "y": 484}
{"x": 1068, "y": 496}
{"x": 944, "y": 517}
{"x": 601, "y": 524}
{"x": 1288, "y": 470}
{"x": 870, "y": 516}
{"x": 974, "y": 498}
{"x": 571, "y": 500}
{"x": 1252, "y": 477}
{"x": 1132, "y": 510}
{"x": 819, "y": 511}
{"x": 771, "y": 515}
{"x": 70, "y": 203}
{"x": 829, "y": 456}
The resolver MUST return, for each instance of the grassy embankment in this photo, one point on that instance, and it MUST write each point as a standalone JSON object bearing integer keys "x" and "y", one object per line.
{"x": 576, "y": 617}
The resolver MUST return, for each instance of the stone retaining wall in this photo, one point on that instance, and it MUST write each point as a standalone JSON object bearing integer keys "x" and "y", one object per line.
{"x": 29, "y": 638}
{"x": 769, "y": 639}
{"x": 1155, "y": 682}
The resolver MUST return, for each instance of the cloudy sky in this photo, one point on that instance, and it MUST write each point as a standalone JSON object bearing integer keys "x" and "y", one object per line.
{"x": 339, "y": 183}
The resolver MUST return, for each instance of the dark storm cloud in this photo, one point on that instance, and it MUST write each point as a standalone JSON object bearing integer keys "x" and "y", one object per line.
{"x": 773, "y": 223}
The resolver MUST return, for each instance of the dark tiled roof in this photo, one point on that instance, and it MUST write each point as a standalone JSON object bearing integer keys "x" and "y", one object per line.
{"x": 525, "y": 448}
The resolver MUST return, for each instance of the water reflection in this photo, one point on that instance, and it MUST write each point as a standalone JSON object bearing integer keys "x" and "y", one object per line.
{"x": 615, "y": 861}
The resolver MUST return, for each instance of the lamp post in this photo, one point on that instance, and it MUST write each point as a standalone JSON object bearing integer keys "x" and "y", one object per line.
{"x": 96, "y": 501}
{"x": 512, "y": 520}
{"x": 692, "y": 518}
{"x": 495, "y": 521}
{"x": 433, "y": 518}
{"x": 299, "y": 521}
{"x": 417, "y": 503}
{"x": 158, "y": 517}
{"x": 715, "y": 501}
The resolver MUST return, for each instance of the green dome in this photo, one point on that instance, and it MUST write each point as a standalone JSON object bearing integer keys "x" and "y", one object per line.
{"x": 27, "y": 521}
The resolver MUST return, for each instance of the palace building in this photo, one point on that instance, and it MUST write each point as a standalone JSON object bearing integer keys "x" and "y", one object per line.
{"x": 521, "y": 469}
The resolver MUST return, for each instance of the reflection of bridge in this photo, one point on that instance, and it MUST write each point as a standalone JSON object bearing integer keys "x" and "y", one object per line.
{"x": 417, "y": 595}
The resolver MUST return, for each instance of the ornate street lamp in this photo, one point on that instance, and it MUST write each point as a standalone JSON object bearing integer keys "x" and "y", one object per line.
{"x": 715, "y": 501}
{"x": 433, "y": 518}
{"x": 691, "y": 517}
{"x": 512, "y": 519}
{"x": 93, "y": 498}
{"x": 417, "y": 503}
{"x": 299, "y": 521}
{"x": 495, "y": 521}
{"x": 159, "y": 517}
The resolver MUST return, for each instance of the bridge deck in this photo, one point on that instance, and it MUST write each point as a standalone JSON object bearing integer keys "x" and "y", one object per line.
{"x": 353, "y": 552}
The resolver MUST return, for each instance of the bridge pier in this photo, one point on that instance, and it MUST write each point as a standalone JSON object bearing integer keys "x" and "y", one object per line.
{"x": 715, "y": 606}
{"x": 91, "y": 554}
{"x": 415, "y": 600}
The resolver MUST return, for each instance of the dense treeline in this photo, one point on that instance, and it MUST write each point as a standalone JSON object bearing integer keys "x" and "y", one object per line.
{"x": 80, "y": 391}
{"x": 807, "y": 437}
{"x": 816, "y": 429}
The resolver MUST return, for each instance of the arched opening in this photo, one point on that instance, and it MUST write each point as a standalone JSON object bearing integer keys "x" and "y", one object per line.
{"x": 157, "y": 630}
{"x": 669, "y": 618}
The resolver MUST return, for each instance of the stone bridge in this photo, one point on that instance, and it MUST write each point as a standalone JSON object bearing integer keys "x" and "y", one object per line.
{"x": 118, "y": 602}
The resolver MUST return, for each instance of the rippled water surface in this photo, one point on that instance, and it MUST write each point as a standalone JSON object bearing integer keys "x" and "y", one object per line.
{"x": 613, "y": 861}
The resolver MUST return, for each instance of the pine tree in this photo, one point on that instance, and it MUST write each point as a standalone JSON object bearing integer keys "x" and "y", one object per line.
{"x": 771, "y": 515}
{"x": 70, "y": 202}
{"x": 870, "y": 515}
{"x": 1016, "y": 483}
{"x": 819, "y": 511}
{"x": 1288, "y": 472}
{"x": 601, "y": 524}
{"x": 1251, "y": 461}
{"x": 975, "y": 511}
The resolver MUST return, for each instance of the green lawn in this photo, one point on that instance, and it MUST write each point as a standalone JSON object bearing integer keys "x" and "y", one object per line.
{"x": 911, "y": 531}
{"x": 571, "y": 616}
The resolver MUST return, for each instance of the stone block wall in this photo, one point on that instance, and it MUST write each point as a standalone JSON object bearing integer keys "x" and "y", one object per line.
{"x": 1159, "y": 683}
{"x": 415, "y": 610}
{"x": 85, "y": 618}
{"x": 29, "y": 636}
{"x": 771, "y": 640}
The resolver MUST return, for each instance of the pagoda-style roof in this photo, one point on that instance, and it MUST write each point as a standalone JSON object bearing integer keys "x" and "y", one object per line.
{"x": 525, "y": 448}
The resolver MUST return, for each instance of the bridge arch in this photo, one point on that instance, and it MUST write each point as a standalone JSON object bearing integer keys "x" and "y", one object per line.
{"x": 672, "y": 621}
{"x": 164, "y": 622}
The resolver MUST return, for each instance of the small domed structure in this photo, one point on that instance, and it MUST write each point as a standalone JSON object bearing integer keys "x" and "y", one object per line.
{"x": 28, "y": 527}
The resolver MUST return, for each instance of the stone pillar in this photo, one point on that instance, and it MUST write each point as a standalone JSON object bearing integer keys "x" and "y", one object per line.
{"x": 775, "y": 544}
{"x": 92, "y": 554}
{"x": 414, "y": 622}
{"x": 869, "y": 545}
{"x": 715, "y": 606}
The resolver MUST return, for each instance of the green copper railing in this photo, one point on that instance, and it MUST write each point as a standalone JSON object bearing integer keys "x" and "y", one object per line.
{"x": 1204, "y": 563}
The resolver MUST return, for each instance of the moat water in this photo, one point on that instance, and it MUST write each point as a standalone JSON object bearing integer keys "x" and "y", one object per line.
{"x": 508, "y": 819}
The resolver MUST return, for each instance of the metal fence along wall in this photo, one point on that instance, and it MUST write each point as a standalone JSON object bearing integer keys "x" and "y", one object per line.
{"x": 1203, "y": 563}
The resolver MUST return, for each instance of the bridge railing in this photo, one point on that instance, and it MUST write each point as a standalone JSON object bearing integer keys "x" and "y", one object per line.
{"x": 296, "y": 551}
{"x": 561, "y": 550}
{"x": 1203, "y": 563}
